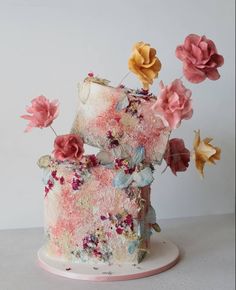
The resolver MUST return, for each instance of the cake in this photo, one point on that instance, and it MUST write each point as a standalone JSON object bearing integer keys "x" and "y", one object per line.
{"x": 97, "y": 208}
{"x": 110, "y": 190}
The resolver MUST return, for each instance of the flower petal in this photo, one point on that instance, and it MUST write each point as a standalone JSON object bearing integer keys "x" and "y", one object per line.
{"x": 122, "y": 104}
{"x": 104, "y": 157}
{"x": 138, "y": 156}
{"x": 143, "y": 177}
{"x": 193, "y": 74}
{"x": 213, "y": 74}
{"x": 122, "y": 180}
{"x": 151, "y": 215}
{"x": 132, "y": 246}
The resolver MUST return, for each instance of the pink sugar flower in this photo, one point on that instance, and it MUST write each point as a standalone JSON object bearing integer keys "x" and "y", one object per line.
{"x": 177, "y": 156}
{"x": 42, "y": 113}
{"x": 174, "y": 103}
{"x": 200, "y": 58}
{"x": 68, "y": 147}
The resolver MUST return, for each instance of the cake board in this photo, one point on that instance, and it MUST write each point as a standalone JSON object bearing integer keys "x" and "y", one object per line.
{"x": 163, "y": 255}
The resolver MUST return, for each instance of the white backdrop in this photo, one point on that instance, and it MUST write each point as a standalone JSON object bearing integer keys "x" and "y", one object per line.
{"x": 48, "y": 46}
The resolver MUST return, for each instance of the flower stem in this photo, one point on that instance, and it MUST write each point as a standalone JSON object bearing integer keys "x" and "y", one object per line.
{"x": 125, "y": 76}
{"x": 164, "y": 170}
{"x": 53, "y": 130}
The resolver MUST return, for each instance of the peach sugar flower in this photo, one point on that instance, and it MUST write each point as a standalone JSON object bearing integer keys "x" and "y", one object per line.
{"x": 204, "y": 152}
{"x": 42, "y": 113}
{"x": 144, "y": 63}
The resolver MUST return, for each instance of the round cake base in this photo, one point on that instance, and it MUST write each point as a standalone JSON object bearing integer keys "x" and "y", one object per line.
{"x": 163, "y": 255}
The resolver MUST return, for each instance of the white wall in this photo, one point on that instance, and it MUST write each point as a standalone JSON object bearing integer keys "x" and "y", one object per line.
{"x": 47, "y": 46}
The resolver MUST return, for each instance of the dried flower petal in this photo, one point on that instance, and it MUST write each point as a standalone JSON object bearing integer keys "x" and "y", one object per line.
{"x": 44, "y": 161}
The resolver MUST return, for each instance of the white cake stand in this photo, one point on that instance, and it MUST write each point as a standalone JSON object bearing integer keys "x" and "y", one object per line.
{"x": 164, "y": 255}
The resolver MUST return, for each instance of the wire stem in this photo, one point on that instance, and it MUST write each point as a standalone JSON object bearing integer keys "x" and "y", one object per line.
{"x": 164, "y": 170}
{"x": 125, "y": 76}
{"x": 53, "y": 130}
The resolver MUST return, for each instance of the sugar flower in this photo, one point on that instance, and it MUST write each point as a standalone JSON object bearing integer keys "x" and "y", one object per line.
{"x": 204, "y": 152}
{"x": 42, "y": 113}
{"x": 144, "y": 63}
{"x": 200, "y": 58}
{"x": 174, "y": 103}
{"x": 68, "y": 147}
{"x": 177, "y": 156}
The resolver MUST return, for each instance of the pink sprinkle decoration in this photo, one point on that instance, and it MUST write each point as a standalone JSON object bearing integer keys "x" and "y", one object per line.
{"x": 50, "y": 184}
{"x": 54, "y": 174}
{"x": 93, "y": 160}
{"x": 103, "y": 217}
{"x": 62, "y": 180}
{"x": 46, "y": 190}
{"x": 119, "y": 231}
{"x": 91, "y": 74}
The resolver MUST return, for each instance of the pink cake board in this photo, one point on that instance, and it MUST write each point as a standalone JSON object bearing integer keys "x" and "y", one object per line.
{"x": 164, "y": 255}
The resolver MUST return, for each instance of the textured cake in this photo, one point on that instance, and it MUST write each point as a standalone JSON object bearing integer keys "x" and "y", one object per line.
{"x": 88, "y": 219}
{"x": 120, "y": 119}
{"x": 97, "y": 208}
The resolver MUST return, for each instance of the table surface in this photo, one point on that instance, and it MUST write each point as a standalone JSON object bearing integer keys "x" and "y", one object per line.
{"x": 207, "y": 259}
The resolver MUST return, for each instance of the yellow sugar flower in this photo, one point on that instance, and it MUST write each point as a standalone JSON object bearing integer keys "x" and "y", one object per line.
{"x": 204, "y": 152}
{"x": 144, "y": 63}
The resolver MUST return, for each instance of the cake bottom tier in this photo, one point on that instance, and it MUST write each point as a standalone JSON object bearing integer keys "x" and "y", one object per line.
{"x": 88, "y": 220}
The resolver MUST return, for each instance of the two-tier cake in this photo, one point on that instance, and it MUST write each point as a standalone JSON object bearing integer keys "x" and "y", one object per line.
{"x": 97, "y": 207}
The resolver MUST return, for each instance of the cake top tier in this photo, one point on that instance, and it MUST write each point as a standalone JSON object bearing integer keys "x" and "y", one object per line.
{"x": 119, "y": 119}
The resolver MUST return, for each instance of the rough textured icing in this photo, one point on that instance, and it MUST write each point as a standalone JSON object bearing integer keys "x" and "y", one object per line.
{"x": 118, "y": 117}
{"x": 88, "y": 220}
